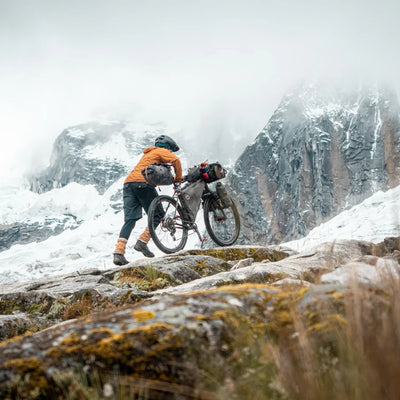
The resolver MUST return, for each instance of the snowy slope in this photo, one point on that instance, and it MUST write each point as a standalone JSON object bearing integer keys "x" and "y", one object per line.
{"x": 18, "y": 204}
{"x": 372, "y": 220}
{"x": 88, "y": 246}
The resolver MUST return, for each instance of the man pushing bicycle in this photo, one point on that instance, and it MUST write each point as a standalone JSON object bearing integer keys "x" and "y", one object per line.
{"x": 138, "y": 194}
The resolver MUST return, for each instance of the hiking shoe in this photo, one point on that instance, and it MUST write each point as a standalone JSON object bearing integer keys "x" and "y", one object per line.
{"x": 142, "y": 247}
{"x": 119, "y": 259}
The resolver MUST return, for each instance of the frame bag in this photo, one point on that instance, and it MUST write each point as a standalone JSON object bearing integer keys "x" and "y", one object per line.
{"x": 191, "y": 197}
{"x": 158, "y": 174}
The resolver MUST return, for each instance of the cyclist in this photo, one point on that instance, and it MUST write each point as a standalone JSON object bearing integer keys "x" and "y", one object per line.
{"x": 138, "y": 195}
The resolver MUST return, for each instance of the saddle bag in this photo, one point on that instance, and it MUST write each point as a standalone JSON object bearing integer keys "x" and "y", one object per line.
{"x": 190, "y": 198}
{"x": 158, "y": 174}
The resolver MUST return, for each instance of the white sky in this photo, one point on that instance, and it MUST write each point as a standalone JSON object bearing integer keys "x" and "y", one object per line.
{"x": 204, "y": 65}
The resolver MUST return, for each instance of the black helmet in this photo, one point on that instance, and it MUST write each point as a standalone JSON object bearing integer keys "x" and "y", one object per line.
{"x": 166, "y": 141}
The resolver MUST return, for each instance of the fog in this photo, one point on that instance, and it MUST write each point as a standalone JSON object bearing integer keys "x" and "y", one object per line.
{"x": 214, "y": 70}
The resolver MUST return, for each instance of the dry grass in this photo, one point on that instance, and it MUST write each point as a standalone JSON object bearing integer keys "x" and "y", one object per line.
{"x": 357, "y": 358}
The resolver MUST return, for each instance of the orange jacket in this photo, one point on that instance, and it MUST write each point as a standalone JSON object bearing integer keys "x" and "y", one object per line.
{"x": 152, "y": 155}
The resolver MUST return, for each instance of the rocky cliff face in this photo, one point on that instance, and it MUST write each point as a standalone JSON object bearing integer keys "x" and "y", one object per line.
{"x": 95, "y": 154}
{"x": 28, "y": 232}
{"x": 322, "y": 151}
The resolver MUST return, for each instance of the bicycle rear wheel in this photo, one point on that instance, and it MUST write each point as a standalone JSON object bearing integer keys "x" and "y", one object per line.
{"x": 166, "y": 226}
{"x": 222, "y": 224}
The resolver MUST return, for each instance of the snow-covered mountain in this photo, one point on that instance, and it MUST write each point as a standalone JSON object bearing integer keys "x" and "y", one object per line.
{"x": 324, "y": 149}
{"x": 95, "y": 154}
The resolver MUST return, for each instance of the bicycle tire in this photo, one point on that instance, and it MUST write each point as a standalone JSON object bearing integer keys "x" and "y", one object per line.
{"x": 165, "y": 233}
{"x": 222, "y": 224}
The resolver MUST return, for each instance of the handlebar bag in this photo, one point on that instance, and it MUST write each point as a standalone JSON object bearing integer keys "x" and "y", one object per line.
{"x": 208, "y": 172}
{"x": 158, "y": 174}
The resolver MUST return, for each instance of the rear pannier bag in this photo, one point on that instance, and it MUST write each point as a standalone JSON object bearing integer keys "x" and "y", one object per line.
{"x": 191, "y": 197}
{"x": 158, "y": 174}
{"x": 223, "y": 195}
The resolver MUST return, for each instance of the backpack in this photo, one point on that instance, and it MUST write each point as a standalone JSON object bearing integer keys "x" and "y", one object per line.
{"x": 158, "y": 174}
{"x": 190, "y": 198}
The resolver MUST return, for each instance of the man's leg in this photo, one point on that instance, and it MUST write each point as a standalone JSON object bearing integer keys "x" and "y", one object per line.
{"x": 132, "y": 212}
{"x": 145, "y": 195}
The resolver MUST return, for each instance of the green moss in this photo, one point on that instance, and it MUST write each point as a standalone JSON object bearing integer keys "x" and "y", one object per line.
{"x": 26, "y": 304}
{"x": 144, "y": 278}
{"x": 35, "y": 308}
{"x": 239, "y": 253}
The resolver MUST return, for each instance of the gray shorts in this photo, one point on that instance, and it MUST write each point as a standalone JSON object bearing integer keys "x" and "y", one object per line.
{"x": 137, "y": 196}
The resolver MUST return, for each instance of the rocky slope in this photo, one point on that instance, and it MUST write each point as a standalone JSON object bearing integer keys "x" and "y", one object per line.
{"x": 321, "y": 152}
{"x": 216, "y": 312}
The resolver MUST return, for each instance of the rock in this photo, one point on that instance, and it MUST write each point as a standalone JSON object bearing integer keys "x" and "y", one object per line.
{"x": 371, "y": 271}
{"x": 290, "y": 282}
{"x": 319, "y": 296}
{"x": 164, "y": 341}
{"x": 239, "y": 252}
{"x": 64, "y": 285}
{"x": 207, "y": 318}
{"x": 244, "y": 263}
{"x": 152, "y": 274}
{"x": 13, "y": 325}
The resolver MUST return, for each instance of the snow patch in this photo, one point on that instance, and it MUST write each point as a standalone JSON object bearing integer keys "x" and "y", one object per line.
{"x": 372, "y": 220}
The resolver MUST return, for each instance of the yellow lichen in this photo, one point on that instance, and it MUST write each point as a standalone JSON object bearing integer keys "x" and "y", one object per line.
{"x": 142, "y": 315}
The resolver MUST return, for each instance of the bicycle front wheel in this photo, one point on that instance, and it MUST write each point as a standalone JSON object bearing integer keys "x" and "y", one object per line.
{"x": 166, "y": 226}
{"x": 222, "y": 224}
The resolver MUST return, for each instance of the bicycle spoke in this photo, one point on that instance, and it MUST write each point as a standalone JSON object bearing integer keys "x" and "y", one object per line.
{"x": 166, "y": 227}
{"x": 222, "y": 224}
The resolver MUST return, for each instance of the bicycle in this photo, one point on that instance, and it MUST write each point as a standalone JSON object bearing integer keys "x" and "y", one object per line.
{"x": 169, "y": 222}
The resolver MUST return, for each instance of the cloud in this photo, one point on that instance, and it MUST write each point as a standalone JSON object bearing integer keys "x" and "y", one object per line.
{"x": 205, "y": 66}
